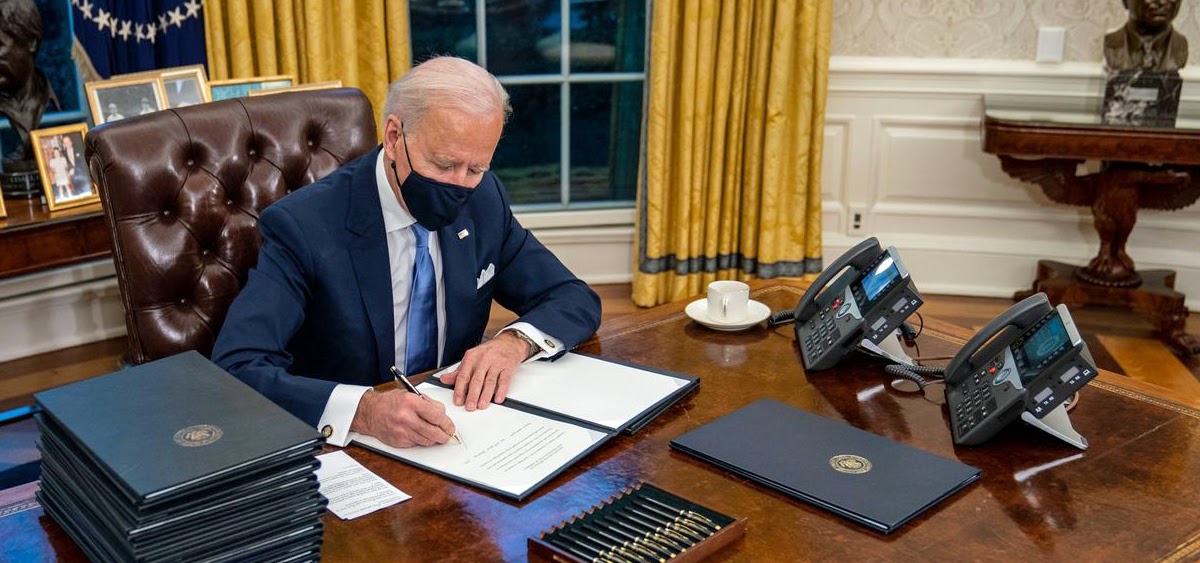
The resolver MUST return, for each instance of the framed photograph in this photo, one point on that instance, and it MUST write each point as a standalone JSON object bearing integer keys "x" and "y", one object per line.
{"x": 299, "y": 88}
{"x": 118, "y": 98}
{"x": 3, "y": 211}
{"x": 65, "y": 178}
{"x": 240, "y": 87}
{"x": 185, "y": 86}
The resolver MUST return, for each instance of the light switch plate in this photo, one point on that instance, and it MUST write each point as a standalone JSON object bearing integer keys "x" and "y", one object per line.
{"x": 1051, "y": 44}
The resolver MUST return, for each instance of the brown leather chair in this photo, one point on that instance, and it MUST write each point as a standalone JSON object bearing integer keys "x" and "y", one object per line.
{"x": 182, "y": 190}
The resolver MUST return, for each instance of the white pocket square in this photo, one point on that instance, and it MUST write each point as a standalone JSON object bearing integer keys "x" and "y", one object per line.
{"x": 485, "y": 275}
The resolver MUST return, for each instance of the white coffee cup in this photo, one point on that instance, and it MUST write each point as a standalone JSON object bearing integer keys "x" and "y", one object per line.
{"x": 728, "y": 301}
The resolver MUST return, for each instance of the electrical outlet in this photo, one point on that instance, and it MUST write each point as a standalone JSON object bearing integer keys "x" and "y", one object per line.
{"x": 857, "y": 221}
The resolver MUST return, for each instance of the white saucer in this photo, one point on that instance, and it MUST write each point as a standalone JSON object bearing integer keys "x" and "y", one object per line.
{"x": 755, "y": 313}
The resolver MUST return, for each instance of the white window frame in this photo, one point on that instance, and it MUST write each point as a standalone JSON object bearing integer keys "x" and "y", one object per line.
{"x": 563, "y": 213}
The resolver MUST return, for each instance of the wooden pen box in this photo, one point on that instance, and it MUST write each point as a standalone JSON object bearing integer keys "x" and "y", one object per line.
{"x": 642, "y": 523}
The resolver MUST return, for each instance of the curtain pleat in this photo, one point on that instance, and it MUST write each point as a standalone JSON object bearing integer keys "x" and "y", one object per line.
{"x": 363, "y": 43}
{"x": 730, "y": 185}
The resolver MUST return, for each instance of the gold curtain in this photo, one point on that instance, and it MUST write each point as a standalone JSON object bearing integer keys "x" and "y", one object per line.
{"x": 735, "y": 114}
{"x": 363, "y": 43}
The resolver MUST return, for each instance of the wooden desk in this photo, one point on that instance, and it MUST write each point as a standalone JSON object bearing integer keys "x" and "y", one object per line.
{"x": 1130, "y": 497}
{"x": 1144, "y": 168}
{"x": 33, "y": 239}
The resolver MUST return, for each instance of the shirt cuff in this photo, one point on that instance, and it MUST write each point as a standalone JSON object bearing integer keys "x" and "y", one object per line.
{"x": 548, "y": 345}
{"x": 339, "y": 413}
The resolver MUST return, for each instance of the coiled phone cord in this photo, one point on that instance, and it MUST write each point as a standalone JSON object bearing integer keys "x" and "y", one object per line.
{"x": 915, "y": 374}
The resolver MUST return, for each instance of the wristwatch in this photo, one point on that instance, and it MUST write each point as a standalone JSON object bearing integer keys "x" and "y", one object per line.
{"x": 533, "y": 347}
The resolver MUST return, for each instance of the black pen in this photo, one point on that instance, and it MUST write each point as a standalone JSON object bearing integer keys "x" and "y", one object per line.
{"x": 413, "y": 389}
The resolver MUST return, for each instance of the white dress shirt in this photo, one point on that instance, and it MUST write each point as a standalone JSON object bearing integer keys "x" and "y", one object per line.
{"x": 343, "y": 402}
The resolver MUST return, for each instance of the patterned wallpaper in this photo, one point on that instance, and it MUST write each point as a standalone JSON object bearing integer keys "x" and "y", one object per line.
{"x": 985, "y": 29}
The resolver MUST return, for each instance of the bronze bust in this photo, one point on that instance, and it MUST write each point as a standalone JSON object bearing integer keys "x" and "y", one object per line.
{"x": 1147, "y": 41}
{"x": 24, "y": 90}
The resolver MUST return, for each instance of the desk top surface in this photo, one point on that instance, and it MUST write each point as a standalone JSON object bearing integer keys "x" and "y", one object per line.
{"x": 1130, "y": 496}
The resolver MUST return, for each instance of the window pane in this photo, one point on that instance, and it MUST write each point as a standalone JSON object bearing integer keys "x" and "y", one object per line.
{"x": 442, "y": 27}
{"x": 528, "y": 159}
{"x": 608, "y": 35}
{"x": 523, "y": 36}
{"x": 605, "y": 133}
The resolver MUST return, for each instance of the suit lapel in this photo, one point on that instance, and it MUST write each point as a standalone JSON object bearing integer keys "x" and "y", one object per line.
{"x": 458, "y": 279}
{"x": 369, "y": 254}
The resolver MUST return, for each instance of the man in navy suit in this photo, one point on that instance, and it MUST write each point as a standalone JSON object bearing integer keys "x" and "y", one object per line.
{"x": 393, "y": 260}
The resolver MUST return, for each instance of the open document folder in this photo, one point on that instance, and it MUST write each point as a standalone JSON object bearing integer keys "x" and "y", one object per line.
{"x": 555, "y": 413}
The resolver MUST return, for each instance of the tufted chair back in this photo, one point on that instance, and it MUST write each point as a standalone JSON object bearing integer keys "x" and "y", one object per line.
{"x": 182, "y": 190}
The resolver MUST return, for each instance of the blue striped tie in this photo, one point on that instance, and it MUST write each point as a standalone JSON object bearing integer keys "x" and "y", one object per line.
{"x": 421, "y": 349}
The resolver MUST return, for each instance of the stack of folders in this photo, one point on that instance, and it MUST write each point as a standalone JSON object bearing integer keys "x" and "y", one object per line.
{"x": 176, "y": 460}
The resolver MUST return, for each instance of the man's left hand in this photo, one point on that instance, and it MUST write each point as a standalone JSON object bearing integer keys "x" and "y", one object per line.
{"x": 486, "y": 371}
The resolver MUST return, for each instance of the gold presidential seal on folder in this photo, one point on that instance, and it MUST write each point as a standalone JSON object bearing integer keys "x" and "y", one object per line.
{"x": 850, "y": 463}
{"x": 198, "y": 435}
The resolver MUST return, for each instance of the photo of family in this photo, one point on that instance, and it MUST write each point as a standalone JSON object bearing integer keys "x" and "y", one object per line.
{"x": 65, "y": 178}
{"x": 114, "y": 100}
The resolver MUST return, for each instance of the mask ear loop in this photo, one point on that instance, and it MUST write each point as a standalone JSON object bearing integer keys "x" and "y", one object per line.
{"x": 404, "y": 139}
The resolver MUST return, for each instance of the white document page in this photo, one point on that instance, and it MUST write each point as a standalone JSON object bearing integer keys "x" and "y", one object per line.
{"x": 504, "y": 449}
{"x": 352, "y": 489}
{"x": 587, "y": 388}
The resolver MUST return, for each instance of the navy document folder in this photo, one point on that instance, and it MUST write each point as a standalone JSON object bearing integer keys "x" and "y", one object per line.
{"x": 178, "y": 460}
{"x": 877, "y": 482}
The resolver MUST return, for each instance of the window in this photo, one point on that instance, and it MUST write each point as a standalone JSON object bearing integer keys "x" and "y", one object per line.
{"x": 574, "y": 70}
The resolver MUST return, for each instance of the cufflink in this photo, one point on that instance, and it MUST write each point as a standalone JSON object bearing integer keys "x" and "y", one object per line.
{"x": 549, "y": 344}
{"x": 327, "y": 431}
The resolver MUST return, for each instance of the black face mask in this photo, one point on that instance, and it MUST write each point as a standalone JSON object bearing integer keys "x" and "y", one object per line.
{"x": 432, "y": 203}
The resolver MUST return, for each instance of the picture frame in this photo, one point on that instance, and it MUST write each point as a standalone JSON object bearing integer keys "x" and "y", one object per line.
{"x": 66, "y": 180}
{"x": 118, "y": 98}
{"x": 3, "y": 211}
{"x": 240, "y": 87}
{"x": 299, "y": 88}
{"x": 185, "y": 86}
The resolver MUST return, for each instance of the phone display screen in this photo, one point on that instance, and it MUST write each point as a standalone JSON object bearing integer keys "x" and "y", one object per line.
{"x": 1043, "y": 346}
{"x": 874, "y": 282}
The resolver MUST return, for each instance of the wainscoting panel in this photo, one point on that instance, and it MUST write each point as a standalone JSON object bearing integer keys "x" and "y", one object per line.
{"x": 963, "y": 226}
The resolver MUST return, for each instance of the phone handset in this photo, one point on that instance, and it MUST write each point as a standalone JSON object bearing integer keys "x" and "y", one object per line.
{"x": 1017, "y": 318}
{"x": 859, "y": 257}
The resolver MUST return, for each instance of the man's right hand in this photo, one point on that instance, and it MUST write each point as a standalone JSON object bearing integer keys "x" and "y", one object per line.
{"x": 402, "y": 419}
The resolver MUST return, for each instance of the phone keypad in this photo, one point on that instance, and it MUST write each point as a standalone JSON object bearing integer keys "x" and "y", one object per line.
{"x": 822, "y": 333}
{"x": 975, "y": 401}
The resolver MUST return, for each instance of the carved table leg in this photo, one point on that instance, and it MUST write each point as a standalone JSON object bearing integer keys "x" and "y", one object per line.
{"x": 1114, "y": 213}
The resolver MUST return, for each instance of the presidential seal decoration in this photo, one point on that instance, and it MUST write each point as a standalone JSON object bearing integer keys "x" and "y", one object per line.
{"x": 850, "y": 463}
{"x": 198, "y": 435}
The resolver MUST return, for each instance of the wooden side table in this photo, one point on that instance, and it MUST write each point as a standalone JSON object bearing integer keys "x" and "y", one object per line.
{"x": 33, "y": 239}
{"x": 1155, "y": 168}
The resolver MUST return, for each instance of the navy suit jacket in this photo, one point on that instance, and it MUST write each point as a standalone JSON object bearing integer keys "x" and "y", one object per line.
{"x": 317, "y": 309}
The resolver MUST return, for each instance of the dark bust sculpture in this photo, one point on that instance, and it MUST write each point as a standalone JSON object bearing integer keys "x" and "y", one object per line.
{"x": 1147, "y": 41}
{"x": 24, "y": 90}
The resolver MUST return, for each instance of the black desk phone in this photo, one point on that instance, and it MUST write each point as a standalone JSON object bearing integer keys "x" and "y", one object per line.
{"x": 1029, "y": 359}
{"x": 869, "y": 302}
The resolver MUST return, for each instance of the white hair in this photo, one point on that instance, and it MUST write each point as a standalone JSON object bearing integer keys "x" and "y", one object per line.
{"x": 449, "y": 82}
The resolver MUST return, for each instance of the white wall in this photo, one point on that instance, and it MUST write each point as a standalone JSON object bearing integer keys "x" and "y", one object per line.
{"x": 903, "y": 148}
